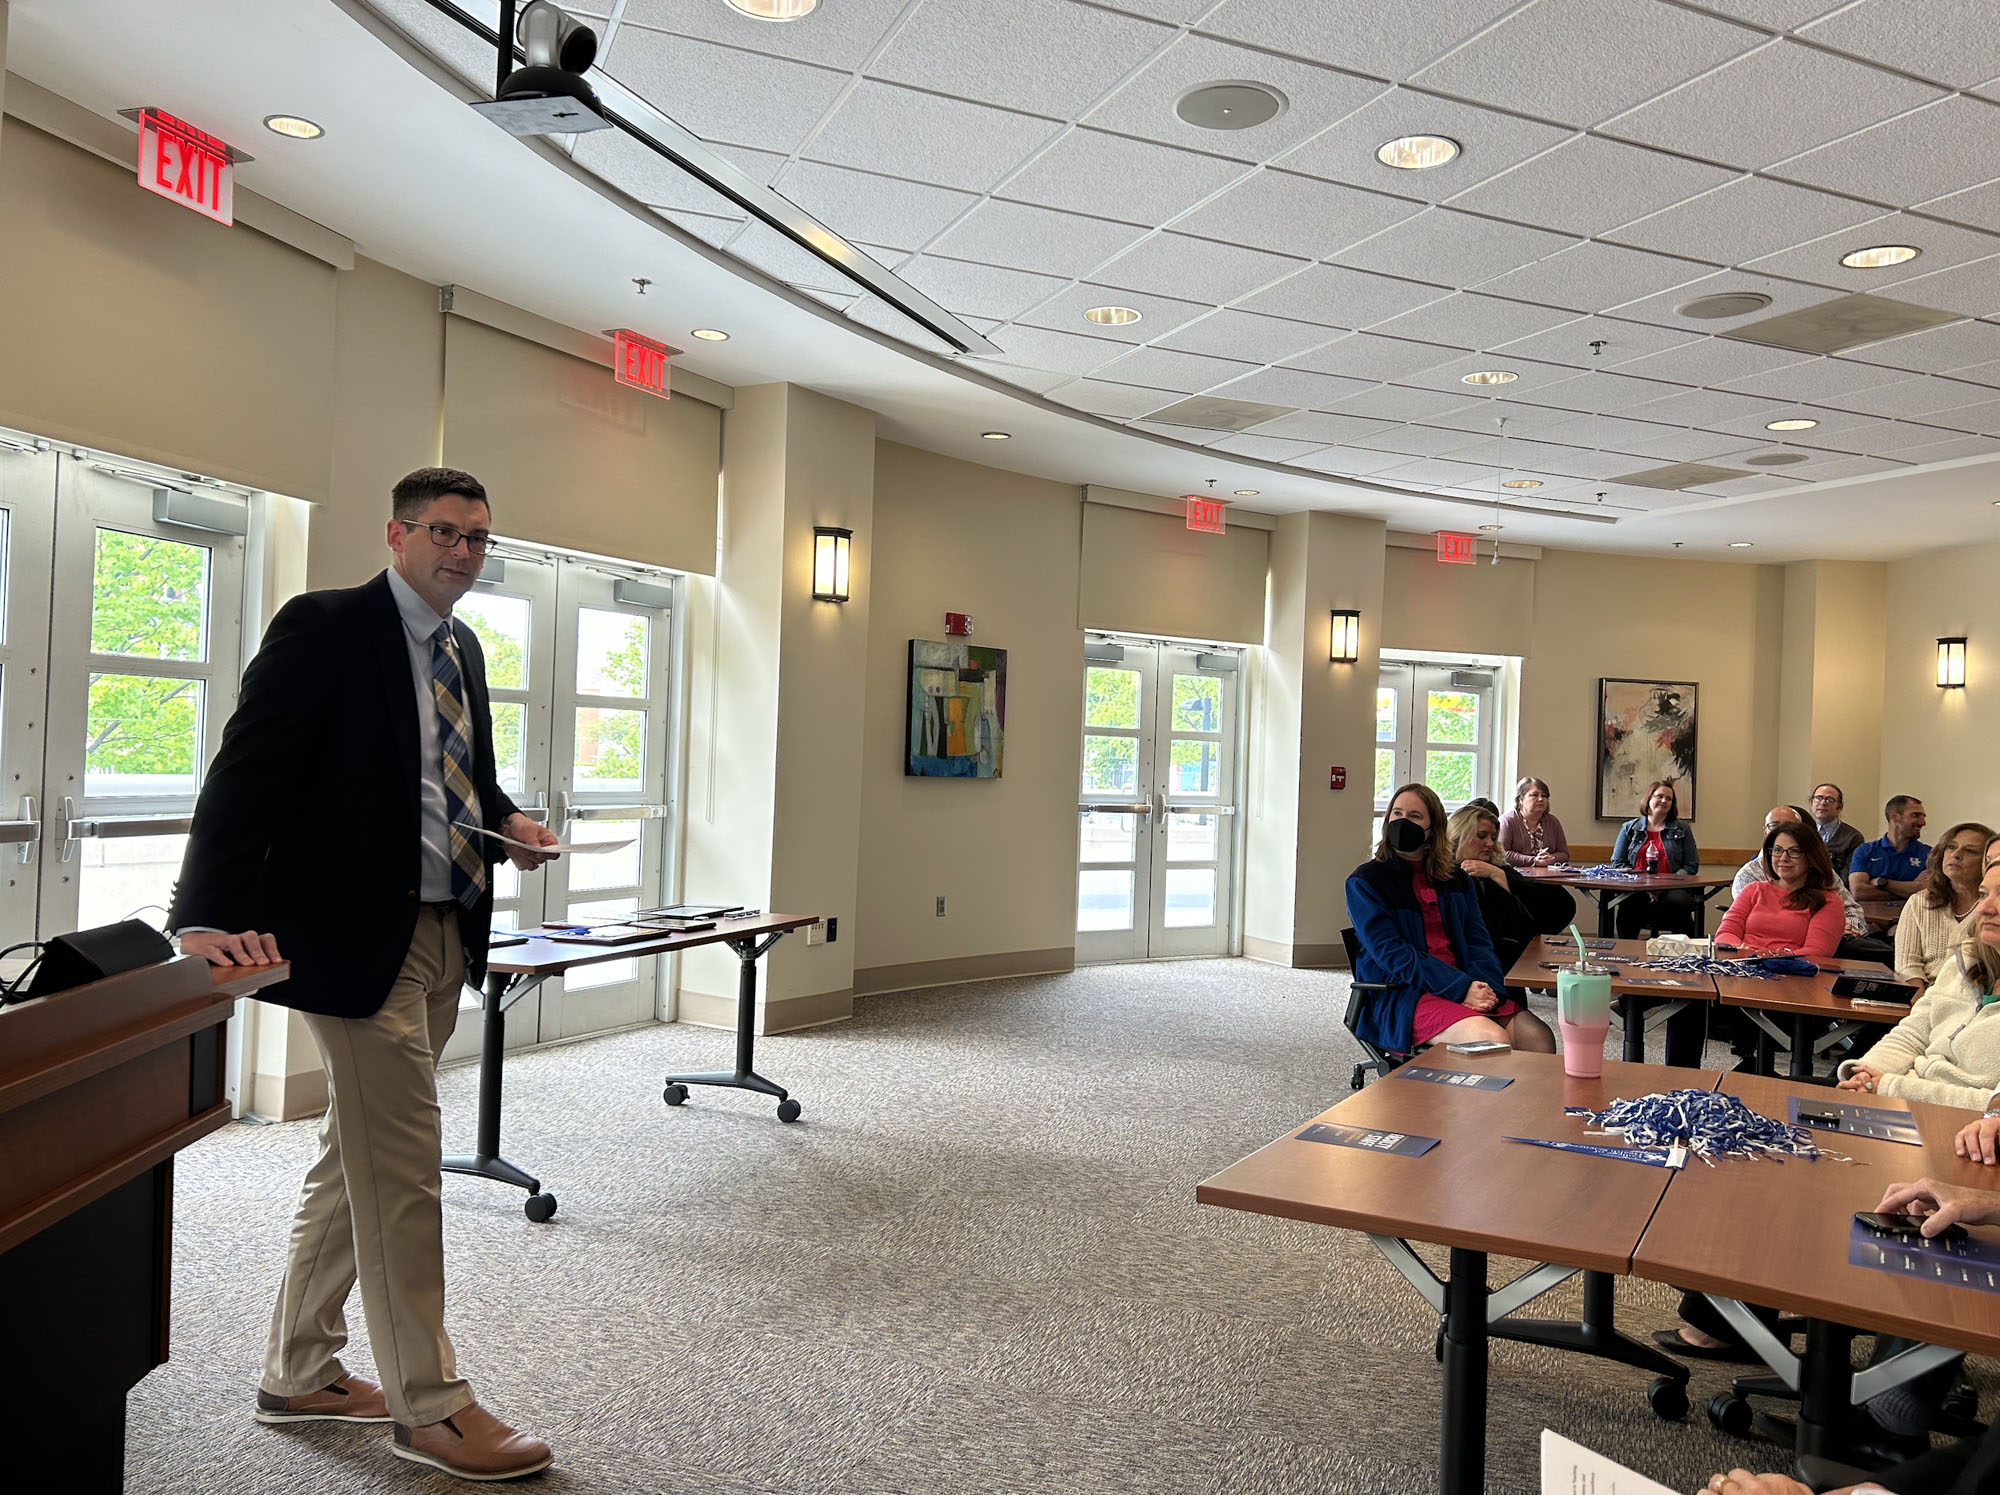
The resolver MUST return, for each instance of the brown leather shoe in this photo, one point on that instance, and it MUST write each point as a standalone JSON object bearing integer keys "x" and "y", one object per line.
{"x": 350, "y": 1399}
{"x": 473, "y": 1444}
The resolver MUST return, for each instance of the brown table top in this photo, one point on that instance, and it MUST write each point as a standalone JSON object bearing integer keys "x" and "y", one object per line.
{"x": 1473, "y": 1189}
{"x": 1776, "y": 1234}
{"x": 1529, "y": 971}
{"x": 241, "y": 981}
{"x": 1575, "y": 878}
{"x": 1812, "y": 994}
{"x": 539, "y": 957}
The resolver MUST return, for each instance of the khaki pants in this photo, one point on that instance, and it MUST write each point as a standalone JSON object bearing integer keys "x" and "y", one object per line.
{"x": 371, "y": 1209}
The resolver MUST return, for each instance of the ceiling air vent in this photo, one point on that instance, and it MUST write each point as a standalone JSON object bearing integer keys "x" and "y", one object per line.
{"x": 1845, "y": 322}
{"x": 1212, "y": 414}
{"x": 1681, "y": 475}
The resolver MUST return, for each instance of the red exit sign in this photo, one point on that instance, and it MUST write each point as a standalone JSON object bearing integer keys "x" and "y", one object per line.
{"x": 642, "y": 363}
{"x": 1454, "y": 550}
{"x": 187, "y": 165}
{"x": 1205, "y": 514}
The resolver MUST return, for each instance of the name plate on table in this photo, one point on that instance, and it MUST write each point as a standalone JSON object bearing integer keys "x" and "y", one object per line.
{"x": 1464, "y": 1079}
{"x": 1397, "y": 1144}
{"x": 1972, "y": 1262}
{"x": 1862, "y": 1121}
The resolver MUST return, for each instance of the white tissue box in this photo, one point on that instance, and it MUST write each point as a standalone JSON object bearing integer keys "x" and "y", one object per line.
{"x": 1678, "y": 944}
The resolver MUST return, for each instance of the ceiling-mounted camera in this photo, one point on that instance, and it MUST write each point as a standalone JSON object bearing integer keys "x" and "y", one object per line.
{"x": 548, "y": 96}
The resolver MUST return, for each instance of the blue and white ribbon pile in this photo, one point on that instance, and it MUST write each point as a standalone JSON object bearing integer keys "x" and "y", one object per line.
{"x": 1760, "y": 968}
{"x": 1709, "y": 1124}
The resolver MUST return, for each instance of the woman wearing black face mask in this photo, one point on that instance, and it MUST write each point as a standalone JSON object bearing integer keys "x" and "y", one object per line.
{"x": 1421, "y": 933}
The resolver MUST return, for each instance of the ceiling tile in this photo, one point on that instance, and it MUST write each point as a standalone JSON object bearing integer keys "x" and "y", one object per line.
{"x": 1175, "y": 11}
{"x": 1194, "y": 269}
{"x": 1776, "y": 102}
{"x": 858, "y": 205}
{"x": 1041, "y": 381}
{"x": 1489, "y": 142}
{"x": 1157, "y": 314}
{"x": 1242, "y": 334}
{"x": 1952, "y": 450}
{"x": 1545, "y": 456}
{"x": 1363, "y": 36}
{"x": 1700, "y": 407}
{"x": 1663, "y": 309}
{"x": 1039, "y": 56}
{"x": 1109, "y": 176}
{"x": 1613, "y": 54}
{"x": 1041, "y": 239}
{"x": 1335, "y": 296}
{"x": 1433, "y": 441}
{"x": 780, "y": 257}
{"x": 1977, "y": 206}
{"x": 1393, "y": 402}
{"x": 1983, "y": 417}
{"x": 1980, "y": 373}
{"x": 712, "y": 231}
{"x": 1751, "y": 216}
{"x": 1618, "y": 434}
{"x": 840, "y": 36}
{"x": 1829, "y": 468}
{"x": 721, "y": 93}
{"x": 1588, "y": 185}
{"x": 1530, "y": 376}
{"x": 1292, "y": 214}
{"x": 1680, "y": 445}
{"x": 1293, "y": 387}
{"x": 1441, "y": 472}
{"x": 1601, "y": 392}
{"x": 1970, "y": 290}
{"x": 1189, "y": 373}
{"x": 1597, "y": 342}
{"x": 1452, "y": 248}
{"x": 1475, "y": 321}
{"x": 978, "y": 290}
{"x": 1953, "y": 41}
{"x": 901, "y": 132}
{"x": 1779, "y": 15}
{"x": 1593, "y": 276}
{"x": 1837, "y": 430}
{"x": 1118, "y": 401}
{"x": 1191, "y": 435}
{"x": 1945, "y": 147}
{"x": 1352, "y": 461}
{"x": 1943, "y": 246}
{"x": 1926, "y": 396}
{"x": 1815, "y": 380}
{"x": 1941, "y": 350}
{"x": 1145, "y": 105}
{"x": 1483, "y": 417}
{"x": 1064, "y": 352}
{"x": 652, "y": 179}
{"x": 1363, "y": 355}
{"x": 1712, "y": 360}
{"x": 1266, "y": 448}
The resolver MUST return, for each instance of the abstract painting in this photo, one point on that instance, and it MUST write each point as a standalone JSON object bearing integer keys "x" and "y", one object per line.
{"x": 958, "y": 711}
{"x": 1645, "y": 731}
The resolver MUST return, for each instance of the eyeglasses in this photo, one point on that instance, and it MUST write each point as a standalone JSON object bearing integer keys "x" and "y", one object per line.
{"x": 447, "y": 536}
{"x": 1826, "y": 799}
{"x": 1786, "y": 854}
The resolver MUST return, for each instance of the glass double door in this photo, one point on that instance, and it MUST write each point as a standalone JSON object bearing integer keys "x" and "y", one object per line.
{"x": 579, "y": 665}
{"x": 121, "y": 642}
{"x": 1434, "y": 725}
{"x": 1156, "y": 874}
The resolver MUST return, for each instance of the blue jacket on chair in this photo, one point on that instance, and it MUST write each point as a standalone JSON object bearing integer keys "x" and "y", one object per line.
{"x": 1382, "y": 902}
{"x": 1675, "y": 838}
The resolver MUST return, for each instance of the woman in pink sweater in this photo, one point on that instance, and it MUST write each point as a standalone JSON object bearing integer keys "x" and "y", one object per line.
{"x": 1798, "y": 912}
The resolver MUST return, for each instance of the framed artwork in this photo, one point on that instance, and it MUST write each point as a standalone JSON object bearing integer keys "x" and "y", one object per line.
{"x": 1645, "y": 731}
{"x": 957, "y": 722}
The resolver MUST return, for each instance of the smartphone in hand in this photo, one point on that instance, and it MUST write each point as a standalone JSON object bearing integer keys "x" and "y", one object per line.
{"x": 1907, "y": 1225}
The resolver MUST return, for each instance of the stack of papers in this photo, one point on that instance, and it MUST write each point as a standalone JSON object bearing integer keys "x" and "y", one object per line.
{"x": 1571, "y": 1469}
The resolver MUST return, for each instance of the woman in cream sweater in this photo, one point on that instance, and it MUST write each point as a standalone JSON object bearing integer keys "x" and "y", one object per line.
{"x": 1948, "y": 1049}
{"x": 1929, "y": 931}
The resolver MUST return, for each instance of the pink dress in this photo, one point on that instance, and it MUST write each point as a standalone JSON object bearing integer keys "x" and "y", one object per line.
{"x": 1433, "y": 1013}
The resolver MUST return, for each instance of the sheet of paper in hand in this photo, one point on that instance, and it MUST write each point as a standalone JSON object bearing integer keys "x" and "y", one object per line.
{"x": 585, "y": 848}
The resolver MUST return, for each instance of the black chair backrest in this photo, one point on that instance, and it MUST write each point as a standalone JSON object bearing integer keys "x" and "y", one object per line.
{"x": 1352, "y": 943}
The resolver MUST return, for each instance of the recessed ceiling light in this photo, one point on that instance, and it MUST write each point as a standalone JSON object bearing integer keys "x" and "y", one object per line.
{"x": 1727, "y": 304}
{"x": 709, "y": 335}
{"x": 1489, "y": 529}
{"x": 1880, "y": 256}
{"x": 1490, "y": 376}
{"x": 1230, "y": 106}
{"x": 1790, "y": 425}
{"x": 292, "y": 127}
{"x": 1417, "y": 152}
{"x": 1112, "y": 316}
{"x": 1246, "y": 492}
{"x": 1741, "y": 545}
{"x": 1522, "y": 483}
{"x": 997, "y": 435}
{"x": 774, "y": 10}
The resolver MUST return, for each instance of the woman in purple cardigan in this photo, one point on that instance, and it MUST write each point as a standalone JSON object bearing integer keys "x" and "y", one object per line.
{"x": 1529, "y": 834}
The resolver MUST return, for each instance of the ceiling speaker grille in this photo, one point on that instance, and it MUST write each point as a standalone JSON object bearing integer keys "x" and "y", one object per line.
{"x": 1209, "y": 413}
{"x": 1845, "y": 322}
{"x": 1681, "y": 475}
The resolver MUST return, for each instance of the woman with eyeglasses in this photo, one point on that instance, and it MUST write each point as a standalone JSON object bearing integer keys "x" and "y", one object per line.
{"x": 1931, "y": 926}
{"x": 1798, "y": 911}
{"x": 1657, "y": 843}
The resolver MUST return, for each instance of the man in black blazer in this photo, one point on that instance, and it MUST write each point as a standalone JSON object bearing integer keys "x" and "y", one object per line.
{"x": 369, "y": 703}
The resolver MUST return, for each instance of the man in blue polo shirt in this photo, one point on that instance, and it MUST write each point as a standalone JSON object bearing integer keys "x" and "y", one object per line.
{"x": 1885, "y": 872}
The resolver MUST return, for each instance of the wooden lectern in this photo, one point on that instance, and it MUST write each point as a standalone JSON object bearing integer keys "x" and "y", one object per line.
{"x": 100, "y": 1086}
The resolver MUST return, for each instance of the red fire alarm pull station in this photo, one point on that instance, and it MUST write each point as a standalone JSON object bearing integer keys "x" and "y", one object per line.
{"x": 1454, "y": 550}
{"x": 958, "y": 625}
{"x": 1339, "y": 778}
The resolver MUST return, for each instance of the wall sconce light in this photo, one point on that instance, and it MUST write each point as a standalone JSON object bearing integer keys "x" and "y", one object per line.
{"x": 830, "y": 548}
{"x": 1345, "y": 647}
{"x": 1951, "y": 664}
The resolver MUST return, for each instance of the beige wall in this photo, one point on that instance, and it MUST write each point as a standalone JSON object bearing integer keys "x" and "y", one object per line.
{"x": 952, "y": 536}
{"x": 1936, "y": 744}
{"x": 1479, "y": 609}
{"x": 1149, "y": 573}
{"x": 1834, "y": 641}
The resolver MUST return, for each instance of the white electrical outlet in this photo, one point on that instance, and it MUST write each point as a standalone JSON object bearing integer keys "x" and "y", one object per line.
{"x": 816, "y": 933}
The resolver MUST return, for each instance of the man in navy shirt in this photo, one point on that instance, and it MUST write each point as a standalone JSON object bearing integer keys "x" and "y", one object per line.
{"x": 1885, "y": 872}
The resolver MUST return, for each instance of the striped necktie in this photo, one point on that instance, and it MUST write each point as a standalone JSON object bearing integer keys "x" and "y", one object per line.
{"x": 468, "y": 866}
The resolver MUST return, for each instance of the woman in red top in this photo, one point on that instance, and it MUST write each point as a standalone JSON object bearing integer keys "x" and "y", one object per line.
{"x": 1798, "y": 911}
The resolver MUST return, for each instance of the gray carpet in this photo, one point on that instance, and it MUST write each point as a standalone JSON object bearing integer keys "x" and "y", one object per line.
{"x": 975, "y": 1266}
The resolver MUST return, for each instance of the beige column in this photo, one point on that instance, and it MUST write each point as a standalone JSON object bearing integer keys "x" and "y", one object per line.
{"x": 1311, "y": 716}
{"x": 776, "y": 686}
{"x": 1830, "y": 696}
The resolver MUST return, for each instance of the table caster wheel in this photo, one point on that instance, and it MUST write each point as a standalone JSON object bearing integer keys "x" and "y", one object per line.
{"x": 788, "y": 1110}
{"x": 1729, "y": 1413}
{"x": 674, "y": 1095}
{"x": 1668, "y": 1398}
{"x": 540, "y": 1207}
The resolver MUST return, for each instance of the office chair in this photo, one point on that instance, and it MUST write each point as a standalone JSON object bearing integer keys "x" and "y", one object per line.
{"x": 1380, "y": 1060}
